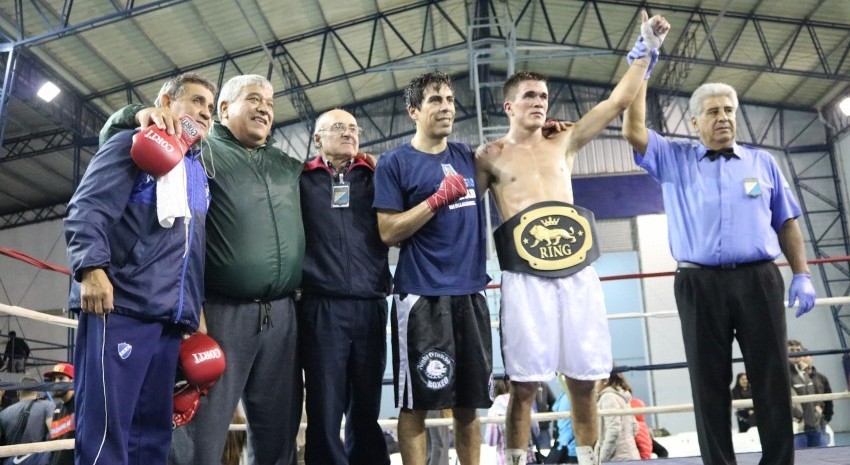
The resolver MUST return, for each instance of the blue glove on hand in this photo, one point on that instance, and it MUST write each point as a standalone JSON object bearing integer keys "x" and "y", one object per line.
{"x": 640, "y": 50}
{"x": 801, "y": 287}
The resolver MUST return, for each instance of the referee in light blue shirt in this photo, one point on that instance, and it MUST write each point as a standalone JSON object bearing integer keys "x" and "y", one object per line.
{"x": 730, "y": 213}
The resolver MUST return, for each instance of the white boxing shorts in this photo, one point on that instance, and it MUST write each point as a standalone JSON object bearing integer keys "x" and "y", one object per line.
{"x": 554, "y": 325}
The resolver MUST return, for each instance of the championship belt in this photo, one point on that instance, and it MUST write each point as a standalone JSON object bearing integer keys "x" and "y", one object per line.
{"x": 549, "y": 239}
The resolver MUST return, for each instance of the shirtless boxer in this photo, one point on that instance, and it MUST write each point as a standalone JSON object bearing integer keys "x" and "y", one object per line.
{"x": 551, "y": 297}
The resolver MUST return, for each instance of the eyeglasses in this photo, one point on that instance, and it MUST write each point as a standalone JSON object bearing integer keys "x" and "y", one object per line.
{"x": 340, "y": 128}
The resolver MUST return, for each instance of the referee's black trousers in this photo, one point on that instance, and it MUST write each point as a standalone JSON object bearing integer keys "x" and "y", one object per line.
{"x": 746, "y": 303}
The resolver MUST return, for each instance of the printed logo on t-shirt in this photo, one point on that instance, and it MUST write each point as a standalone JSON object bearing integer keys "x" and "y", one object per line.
{"x": 436, "y": 369}
{"x": 124, "y": 350}
{"x": 62, "y": 426}
{"x": 467, "y": 200}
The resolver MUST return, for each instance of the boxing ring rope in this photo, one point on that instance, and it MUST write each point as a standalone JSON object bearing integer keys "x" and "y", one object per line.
{"x": 33, "y": 447}
{"x": 819, "y": 302}
{"x": 47, "y": 446}
{"x": 69, "y": 323}
{"x": 38, "y": 316}
{"x": 674, "y": 408}
{"x": 550, "y": 416}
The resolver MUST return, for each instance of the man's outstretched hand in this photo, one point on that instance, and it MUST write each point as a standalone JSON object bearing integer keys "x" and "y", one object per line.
{"x": 552, "y": 127}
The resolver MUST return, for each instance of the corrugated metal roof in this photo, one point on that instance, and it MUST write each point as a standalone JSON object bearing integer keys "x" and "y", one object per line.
{"x": 784, "y": 52}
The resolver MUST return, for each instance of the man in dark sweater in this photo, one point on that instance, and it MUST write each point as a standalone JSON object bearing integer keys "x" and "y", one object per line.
{"x": 342, "y": 316}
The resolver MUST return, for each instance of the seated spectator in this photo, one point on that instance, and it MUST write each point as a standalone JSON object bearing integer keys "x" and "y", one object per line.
{"x": 617, "y": 432}
{"x": 27, "y": 421}
{"x": 821, "y": 385}
{"x": 809, "y": 423}
{"x": 746, "y": 416}
{"x": 564, "y": 450}
{"x": 494, "y": 434}
{"x": 62, "y": 424}
{"x": 643, "y": 440}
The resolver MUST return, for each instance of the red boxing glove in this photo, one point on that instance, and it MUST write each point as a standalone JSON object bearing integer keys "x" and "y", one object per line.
{"x": 452, "y": 188}
{"x": 201, "y": 360}
{"x": 186, "y": 401}
{"x": 155, "y": 152}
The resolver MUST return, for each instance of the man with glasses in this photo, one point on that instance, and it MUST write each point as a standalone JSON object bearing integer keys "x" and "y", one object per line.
{"x": 342, "y": 316}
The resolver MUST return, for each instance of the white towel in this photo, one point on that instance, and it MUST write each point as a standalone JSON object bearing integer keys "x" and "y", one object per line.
{"x": 172, "y": 200}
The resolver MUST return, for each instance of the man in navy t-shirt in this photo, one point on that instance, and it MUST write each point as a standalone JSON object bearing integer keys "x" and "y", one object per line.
{"x": 427, "y": 203}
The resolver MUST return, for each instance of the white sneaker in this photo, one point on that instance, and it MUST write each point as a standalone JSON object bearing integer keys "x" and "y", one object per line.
{"x": 516, "y": 456}
{"x": 588, "y": 455}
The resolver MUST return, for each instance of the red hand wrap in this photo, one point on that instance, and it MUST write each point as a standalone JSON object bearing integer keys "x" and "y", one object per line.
{"x": 452, "y": 188}
{"x": 191, "y": 131}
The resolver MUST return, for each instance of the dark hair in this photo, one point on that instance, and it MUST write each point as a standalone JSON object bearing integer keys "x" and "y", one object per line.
{"x": 617, "y": 380}
{"x": 415, "y": 90}
{"x": 738, "y": 379}
{"x": 513, "y": 82}
{"x": 176, "y": 85}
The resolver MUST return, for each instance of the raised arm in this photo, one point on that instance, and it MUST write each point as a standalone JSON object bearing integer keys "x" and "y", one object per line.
{"x": 642, "y": 59}
{"x": 634, "y": 122}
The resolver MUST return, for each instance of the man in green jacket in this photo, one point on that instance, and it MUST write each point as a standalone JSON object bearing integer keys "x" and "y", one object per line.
{"x": 255, "y": 249}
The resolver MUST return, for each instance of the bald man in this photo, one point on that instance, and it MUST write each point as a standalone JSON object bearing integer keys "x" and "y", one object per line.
{"x": 343, "y": 313}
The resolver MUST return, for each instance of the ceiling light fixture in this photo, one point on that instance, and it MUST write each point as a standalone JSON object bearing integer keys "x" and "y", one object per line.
{"x": 48, "y": 91}
{"x": 844, "y": 106}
